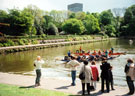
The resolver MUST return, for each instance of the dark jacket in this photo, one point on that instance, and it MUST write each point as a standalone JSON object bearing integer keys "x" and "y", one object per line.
{"x": 126, "y": 68}
{"x": 110, "y": 75}
{"x": 105, "y": 70}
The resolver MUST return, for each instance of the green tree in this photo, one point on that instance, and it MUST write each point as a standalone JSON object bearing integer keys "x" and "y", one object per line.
{"x": 20, "y": 22}
{"x": 80, "y": 15}
{"x": 73, "y": 26}
{"x": 106, "y": 17}
{"x": 110, "y": 30}
{"x": 91, "y": 24}
{"x": 128, "y": 25}
{"x": 3, "y": 19}
{"x": 71, "y": 15}
{"x": 39, "y": 21}
{"x": 52, "y": 29}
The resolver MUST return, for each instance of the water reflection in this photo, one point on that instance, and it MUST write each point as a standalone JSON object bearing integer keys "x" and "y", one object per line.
{"x": 22, "y": 62}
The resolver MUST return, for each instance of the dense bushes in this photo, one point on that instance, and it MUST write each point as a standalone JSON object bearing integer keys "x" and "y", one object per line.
{"x": 16, "y": 42}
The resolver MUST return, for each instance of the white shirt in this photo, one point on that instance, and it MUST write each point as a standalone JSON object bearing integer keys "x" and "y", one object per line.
{"x": 38, "y": 64}
{"x": 131, "y": 71}
{"x": 73, "y": 64}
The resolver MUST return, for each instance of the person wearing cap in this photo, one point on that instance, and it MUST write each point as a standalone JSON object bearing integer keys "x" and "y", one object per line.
{"x": 38, "y": 65}
{"x": 130, "y": 75}
{"x": 105, "y": 74}
{"x": 73, "y": 64}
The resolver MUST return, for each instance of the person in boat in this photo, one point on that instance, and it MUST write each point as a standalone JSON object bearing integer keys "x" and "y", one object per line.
{"x": 110, "y": 52}
{"x": 97, "y": 57}
{"x": 106, "y": 54}
{"x": 69, "y": 53}
{"x": 88, "y": 53}
{"x": 99, "y": 53}
{"x": 67, "y": 58}
{"x": 112, "y": 49}
{"x": 73, "y": 63}
{"x": 79, "y": 59}
{"x": 103, "y": 54}
{"x": 94, "y": 53}
{"x": 77, "y": 51}
{"x": 80, "y": 49}
{"x": 83, "y": 51}
{"x": 90, "y": 58}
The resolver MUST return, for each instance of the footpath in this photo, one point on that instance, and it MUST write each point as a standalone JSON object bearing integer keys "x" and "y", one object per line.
{"x": 58, "y": 85}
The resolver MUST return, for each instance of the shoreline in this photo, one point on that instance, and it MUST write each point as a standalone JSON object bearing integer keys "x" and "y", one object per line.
{"x": 57, "y": 85}
{"x": 13, "y": 49}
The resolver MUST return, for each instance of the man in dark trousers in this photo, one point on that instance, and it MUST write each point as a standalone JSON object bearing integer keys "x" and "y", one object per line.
{"x": 105, "y": 74}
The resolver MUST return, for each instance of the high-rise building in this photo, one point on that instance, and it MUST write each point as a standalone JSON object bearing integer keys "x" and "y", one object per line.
{"x": 76, "y": 7}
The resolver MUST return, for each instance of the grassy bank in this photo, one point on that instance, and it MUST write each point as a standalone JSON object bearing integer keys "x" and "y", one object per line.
{"x": 11, "y": 90}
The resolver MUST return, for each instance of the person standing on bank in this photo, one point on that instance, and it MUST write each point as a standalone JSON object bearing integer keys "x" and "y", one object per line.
{"x": 111, "y": 78}
{"x": 95, "y": 74}
{"x": 73, "y": 63}
{"x": 88, "y": 76}
{"x": 130, "y": 75}
{"x": 105, "y": 74}
{"x": 38, "y": 65}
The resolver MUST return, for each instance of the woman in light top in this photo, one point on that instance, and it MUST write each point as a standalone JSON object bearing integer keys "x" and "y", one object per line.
{"x": 88, "y": 75}
{"x": 130, "y": 75}
{"x": 38, "y": 65}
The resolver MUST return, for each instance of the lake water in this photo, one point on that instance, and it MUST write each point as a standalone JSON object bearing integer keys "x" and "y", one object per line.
{"x": 22, "y": 62}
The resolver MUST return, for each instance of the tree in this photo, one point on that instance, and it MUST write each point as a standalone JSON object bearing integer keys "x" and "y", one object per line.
{"x": 118, "y": 12}
{"x": 52, "y": 29}
{"x": 73, "y": 26}
{"x": 80, "y": 15}
{"x": 91, "y": 24}
{"x": 20, "y": 22}
{"x": 128, "y": 25}
{"x": 3, "y": 19}
{"x": 39, "y": 21}
{"x": 110, "y": 30}
{"x": 106, "y": 17}
{"x": 71, "y": 15}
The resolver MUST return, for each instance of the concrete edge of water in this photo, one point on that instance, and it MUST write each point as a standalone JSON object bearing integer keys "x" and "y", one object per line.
{"x": 13, "y": 49}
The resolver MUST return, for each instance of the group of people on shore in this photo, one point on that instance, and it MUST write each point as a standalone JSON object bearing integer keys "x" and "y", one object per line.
{"x": 91, "y": 74}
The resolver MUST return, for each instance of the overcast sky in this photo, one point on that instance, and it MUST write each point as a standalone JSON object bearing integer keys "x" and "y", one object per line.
{"x": 48, "y": 5}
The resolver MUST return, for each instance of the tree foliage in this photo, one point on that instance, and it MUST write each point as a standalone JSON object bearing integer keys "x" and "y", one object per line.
{"x": 106, "y": 17}
{"x": 73, "y": 26}
{"x": 91, "y": 24}
{"x": 52, "y": 29}
{"x": 34, "y": 21}
{"x": 128, "y": 25}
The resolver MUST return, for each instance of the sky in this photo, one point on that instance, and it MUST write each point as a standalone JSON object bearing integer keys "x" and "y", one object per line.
{"x": 48, "y": 5}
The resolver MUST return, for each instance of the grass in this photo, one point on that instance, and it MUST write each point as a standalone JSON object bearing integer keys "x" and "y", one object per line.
{"x": 12, "y": 90}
